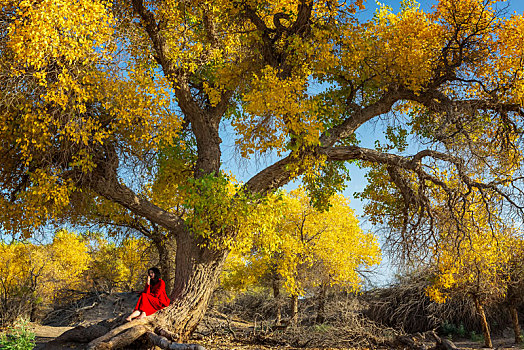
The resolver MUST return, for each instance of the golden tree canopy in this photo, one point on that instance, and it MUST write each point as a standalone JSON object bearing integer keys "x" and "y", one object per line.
{"x": 121, "y": 102}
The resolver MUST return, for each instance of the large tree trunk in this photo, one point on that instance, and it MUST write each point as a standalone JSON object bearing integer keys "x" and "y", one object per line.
{"x": 197, "y": 274}
{"x": 484, "y": 322}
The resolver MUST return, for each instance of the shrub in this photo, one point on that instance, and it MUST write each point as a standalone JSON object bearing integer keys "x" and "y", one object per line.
{"x": 18, "y": 337}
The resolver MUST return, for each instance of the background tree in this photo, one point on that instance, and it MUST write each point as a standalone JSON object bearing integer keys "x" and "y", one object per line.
{"x": 515, "y": 275}
{"x": 119, "y": 266}
{"x": 306, "y": 250}
{"x": 34, "y": 275}
{"x": 476, "y": 267}
{"x": 93, "y": 92}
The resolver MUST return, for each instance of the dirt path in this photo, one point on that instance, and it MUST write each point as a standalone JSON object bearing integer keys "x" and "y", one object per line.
{"x": 45, "y": 334}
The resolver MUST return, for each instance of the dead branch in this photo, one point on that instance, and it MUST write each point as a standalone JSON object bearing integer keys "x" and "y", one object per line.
{"x": 165, "y": 343}
{"x": 443, "y": 344}
{"x": 123, "y": 339}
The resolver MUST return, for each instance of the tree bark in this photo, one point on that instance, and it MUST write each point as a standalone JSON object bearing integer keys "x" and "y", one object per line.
{"x": 515, "y": 320}
{"x": 166, "y": 248}
{"x": 322, "y": 296}
{"x": 484, "y": 322}
{"x": 275, "y": 283}
{"x": 197, "y": 274}
{"x": 294, "y": 310}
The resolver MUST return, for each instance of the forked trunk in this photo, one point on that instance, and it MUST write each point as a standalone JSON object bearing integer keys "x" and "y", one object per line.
{"x": 484, "y": 322}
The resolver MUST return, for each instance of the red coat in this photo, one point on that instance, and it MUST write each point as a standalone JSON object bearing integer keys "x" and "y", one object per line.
{"x": 153, "y": 298}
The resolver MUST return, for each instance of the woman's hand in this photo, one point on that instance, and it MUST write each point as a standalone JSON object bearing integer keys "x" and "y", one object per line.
{"x": 148, "y": 279}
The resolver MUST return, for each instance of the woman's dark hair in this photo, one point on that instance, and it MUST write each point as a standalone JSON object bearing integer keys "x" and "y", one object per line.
{"x": 156, "y": 271}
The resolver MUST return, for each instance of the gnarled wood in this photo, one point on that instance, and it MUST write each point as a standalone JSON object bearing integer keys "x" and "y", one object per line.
{"x": 443, "y": 344}
{"x": 81, "y": 334}
{"x": 165, "y": 343}
{"x": 116, "y": 331}
{"x": 122, "y": 339}
{"x": 197, "y": 274}
{"x": 167, "y": 334}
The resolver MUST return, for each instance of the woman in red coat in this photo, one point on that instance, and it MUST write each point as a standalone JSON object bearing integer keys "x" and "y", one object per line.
{"x": 153, "y": 298}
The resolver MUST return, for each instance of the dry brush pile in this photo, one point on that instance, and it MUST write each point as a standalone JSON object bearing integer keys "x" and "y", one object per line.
{"x": 406, "y": 306}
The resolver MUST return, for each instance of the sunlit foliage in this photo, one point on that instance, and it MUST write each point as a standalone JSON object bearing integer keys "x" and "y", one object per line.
{"x": 37, "y": 275}
{"x": 306, "y": 248}
{"x": 478, "y": 264}
{"x": 111, "y": 111}
{"x": 118, "y": 267}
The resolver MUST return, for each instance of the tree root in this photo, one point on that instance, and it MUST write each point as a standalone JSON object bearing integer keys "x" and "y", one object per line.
{"x": 167, "y": 334}
{"x": 121, "y": 336}
{"x": 164, "y": 343}
{"x": 127, "y": 337}
{"x": 83, "y": 334}
{"x": 116, "y": 333}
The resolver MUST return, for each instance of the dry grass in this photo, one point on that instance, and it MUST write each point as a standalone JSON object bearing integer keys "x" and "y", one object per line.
{"x": 405, "y": 306}
{"x": 250, "y": 318}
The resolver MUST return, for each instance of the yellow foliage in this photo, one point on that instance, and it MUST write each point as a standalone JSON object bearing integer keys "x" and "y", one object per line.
{"x": 38, "y": 274}
{"x": 305, "y": 247}
{"x": 474, "y": 263}
{"x": 81, "y": 80}
{"x": 69, "y": 95}
{"x": 44, "y": 270}
{"x": 119, "y": 267}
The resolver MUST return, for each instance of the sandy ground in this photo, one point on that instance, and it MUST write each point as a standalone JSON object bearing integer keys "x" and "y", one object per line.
{"x": 45, "y": 334}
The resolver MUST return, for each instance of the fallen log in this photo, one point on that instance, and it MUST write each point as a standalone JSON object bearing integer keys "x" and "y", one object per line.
{"x": 442, "y": 343}
{"x": 164, "y": 343}
{"x": 122, "y": 339}
{"x": 107, "y": 338}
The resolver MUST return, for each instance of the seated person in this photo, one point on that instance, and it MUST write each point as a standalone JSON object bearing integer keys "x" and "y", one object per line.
{"x": 153, "y": 298}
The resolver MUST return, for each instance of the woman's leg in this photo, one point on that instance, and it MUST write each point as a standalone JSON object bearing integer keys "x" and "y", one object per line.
{"x": 133, "y": 315}
{"x": 148, "y": 304}
{"x": 142, "y": 315}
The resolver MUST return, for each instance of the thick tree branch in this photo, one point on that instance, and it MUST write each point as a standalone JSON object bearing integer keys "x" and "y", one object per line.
{"x": 278, "y": 174}
{"x": 414, "y": 164}
{"x": 362, "y": 115}
{"x": 271, "y": 178}
{"x": 204, "y": 125}
{"x": 104, "y": 181}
